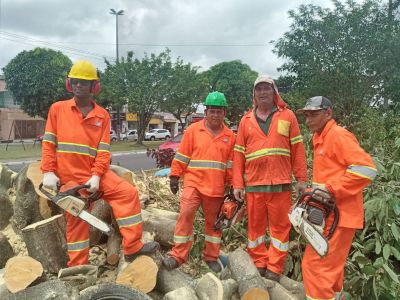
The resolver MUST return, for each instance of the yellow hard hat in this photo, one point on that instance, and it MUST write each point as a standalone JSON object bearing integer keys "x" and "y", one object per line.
{"x": 83, "y": 69}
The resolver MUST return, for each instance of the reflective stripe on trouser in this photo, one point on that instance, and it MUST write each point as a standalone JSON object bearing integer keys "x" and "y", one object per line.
{"x": 190, "y": 201}
{"x": 124, "y": 201}
{"x": 268, "y": 209}
{"x": 323, "y": 277}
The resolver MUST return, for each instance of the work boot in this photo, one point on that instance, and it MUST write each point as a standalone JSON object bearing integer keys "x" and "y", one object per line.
{"x": 272, "y": 275}
{"x": 214, "y": 266}
{"x": 170, "y": 263}
{"x": 148, "y": 248}
{"x": 261, "y": 271}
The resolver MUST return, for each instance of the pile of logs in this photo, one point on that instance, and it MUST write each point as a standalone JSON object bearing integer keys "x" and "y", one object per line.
{"x": 44, "y": 272}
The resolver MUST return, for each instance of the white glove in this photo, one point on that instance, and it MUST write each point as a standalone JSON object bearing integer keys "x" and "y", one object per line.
{"x": 94, "y": 182}
{"x": 51, "y": 181}
{"x": 239, "y": 194}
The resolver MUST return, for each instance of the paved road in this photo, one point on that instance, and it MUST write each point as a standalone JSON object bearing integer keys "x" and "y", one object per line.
{"x": 131, "y": 161}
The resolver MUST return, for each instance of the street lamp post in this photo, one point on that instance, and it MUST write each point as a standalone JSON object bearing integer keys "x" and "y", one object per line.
{"x": 116, "y": 14}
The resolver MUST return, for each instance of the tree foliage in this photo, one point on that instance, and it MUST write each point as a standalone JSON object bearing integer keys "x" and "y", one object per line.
{"x": 142, "y": 84}
{"x": 348, "y": 53}
{"x": 235, "y": 80}
{"x": 36, "y": 78}
{"x": 187, "y": 89}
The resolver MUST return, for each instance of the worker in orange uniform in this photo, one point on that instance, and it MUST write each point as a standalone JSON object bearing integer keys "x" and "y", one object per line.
{"x": 204, "y": 159}
{"x": 342, "y": 168}
{"x": 76, "y": 147}
{"x": 268, "y": 149}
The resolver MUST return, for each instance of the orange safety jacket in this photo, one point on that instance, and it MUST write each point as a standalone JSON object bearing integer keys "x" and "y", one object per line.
{"x": 205, "y": 160}
{"x": 73, "y": 147}
{"x": 269, "y": 159}
{"x": 344, "y": 169}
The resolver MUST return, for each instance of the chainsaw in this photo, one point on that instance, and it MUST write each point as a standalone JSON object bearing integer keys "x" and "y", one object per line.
{"x": 308, "y": 216}
{"x": 73, "y": 201}
{"x": 231, "y": 212}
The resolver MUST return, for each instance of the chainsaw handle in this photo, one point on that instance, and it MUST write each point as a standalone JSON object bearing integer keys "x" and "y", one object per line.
{"x": 46, "y": 193}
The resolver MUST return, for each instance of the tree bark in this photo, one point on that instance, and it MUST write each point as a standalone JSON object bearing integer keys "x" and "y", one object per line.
{"x": 161, "y": 227}
{"x": 243, "y": 270}
{"x": 45, "y": 241}
{"x": 6, "y": 209}
{"x": 6, "y": 251}
{"x": 113, "y": 248}
{"x": 168, "y": 281}
{"x": 101, "y": 210}
{"x": 20, "y": 272}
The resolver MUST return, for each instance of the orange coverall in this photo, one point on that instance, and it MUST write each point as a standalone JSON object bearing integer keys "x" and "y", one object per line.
{"x": 269, "y": 160}
{"x": 75, "y": 148}
{"x": 344, "y": 169}
{"x": 205, "y": 161}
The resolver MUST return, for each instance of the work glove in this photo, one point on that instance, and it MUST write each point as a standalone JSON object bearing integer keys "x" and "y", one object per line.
{"x": 174, "y": 184}
{"x": 51, "y": 181}
{"x": 300, "y": 187}
{"x": 239, "y": 194}
{"x": 94, "y": 183}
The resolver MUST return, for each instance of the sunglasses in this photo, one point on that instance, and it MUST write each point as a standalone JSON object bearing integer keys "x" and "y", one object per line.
{"x": 83, "y": 82}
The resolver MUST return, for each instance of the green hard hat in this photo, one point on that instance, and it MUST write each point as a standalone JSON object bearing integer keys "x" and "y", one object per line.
{"x": 216, "y": 99}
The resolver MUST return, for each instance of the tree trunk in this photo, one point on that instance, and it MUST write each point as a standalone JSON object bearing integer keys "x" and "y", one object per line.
{"x": 20, "y": 272}
{"x": 101, "y": 210}
{"x": 6, "y": 209}
{"x": 243, "y": 270}
{"x": 161, "y": 227}
{"x": 6, "y": 251}
{"x": 45, "y": 241}
{"x": 113, "y": 248}
{"x": 168, "y": 281}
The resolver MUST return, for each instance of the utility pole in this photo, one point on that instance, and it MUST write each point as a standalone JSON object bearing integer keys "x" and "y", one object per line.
{"x": 116, "y": 14}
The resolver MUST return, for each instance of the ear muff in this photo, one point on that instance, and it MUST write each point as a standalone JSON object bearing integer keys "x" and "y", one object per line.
{"x": 68, "y": 85}
{"x": 96, "y": 87}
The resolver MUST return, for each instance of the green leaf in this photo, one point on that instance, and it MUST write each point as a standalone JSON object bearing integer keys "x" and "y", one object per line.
{"x": 391, "y": 273}
{"x": 396, "y": 253}
{"x": 395, "y": 231}
{"x": 362, "y": 260}
{"x": 378, "y": 263}
{"x": 386, "y": 251}
{"x": 378, "y": 246}
{"x": 368, "y": 270}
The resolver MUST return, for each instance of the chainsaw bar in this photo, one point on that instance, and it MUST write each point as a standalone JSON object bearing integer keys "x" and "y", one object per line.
{"x": 314, "y": 237}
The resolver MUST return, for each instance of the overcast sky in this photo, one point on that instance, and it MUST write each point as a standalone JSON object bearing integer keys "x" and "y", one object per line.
{"x": 203, "y": 32}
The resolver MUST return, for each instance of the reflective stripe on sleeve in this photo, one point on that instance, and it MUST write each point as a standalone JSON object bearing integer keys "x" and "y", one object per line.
{"x": 213, "y": 239}
{"x": 50, "y": 137}
{"x": 229, "y": 164}
{"x": 239, "y": 148}
{"x": 296, "y": 139}
{"x": 362, "y": 171}
{"x": 103, "y": 147}
{"x": 182, "y": 158}
{"x": 130, "y": 220}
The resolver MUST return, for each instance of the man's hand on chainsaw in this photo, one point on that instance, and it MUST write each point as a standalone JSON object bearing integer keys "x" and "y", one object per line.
{"x": 51, "y": 181}
{"x": 300, "y": 187}
{"x": 94, "y": 183}
{"x": 239, "y": 194}
{"x": 174, "y": 184}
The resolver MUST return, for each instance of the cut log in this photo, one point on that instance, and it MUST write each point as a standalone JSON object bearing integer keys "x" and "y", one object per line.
{"x": 168, "y": 281}
{"x": 181, "y": 293}
{"x": 81, "y": 276}
{"x": 49, "y": 290}
{"x": 210, "y": 287}
{"x": 230, "y": 287}
{"x": 45, "y": 242}
{"x": 161, "y": 227}
{"x": 6, "y": 177}
{"x": 128, "y": 175}
{"x": 20, "y": 272}
{"x": 6, "y": 210}
{"x": 6, "y": 251}
{"x": 278, "y": 292}
{"x": 141, "y": 274}
{"x": 245, "y": 273}
{"x": 101, "y": 210}
{"x": 114, "y": 248}
{"x": 294, "y": 287}
{"x": 162, "y": 213}
{"x": 26, "y": 206}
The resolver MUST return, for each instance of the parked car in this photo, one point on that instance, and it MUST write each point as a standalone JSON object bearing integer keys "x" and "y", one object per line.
{"x": 157, "y": 134}
{"x": 172, "y": 143}
{"x": 131, "y": 135}
{"x": 113, "y": 135}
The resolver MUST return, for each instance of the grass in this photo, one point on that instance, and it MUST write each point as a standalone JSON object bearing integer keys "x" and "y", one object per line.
{"x": 16, "y": 151}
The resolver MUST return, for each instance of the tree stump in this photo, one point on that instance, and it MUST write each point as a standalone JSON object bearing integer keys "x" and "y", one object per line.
{"x": 6, "y": 251}
{"x": 141, "y": 274}
{"x": 45, "y": 241}
{"x": 20, "y": 272}
{"x": 243, "y": 270}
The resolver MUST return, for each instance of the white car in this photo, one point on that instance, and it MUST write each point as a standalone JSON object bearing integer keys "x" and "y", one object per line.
{"x": 131, "y": 135}
{"x": 113, "y": 135}
{"x": 157, "y": 134}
